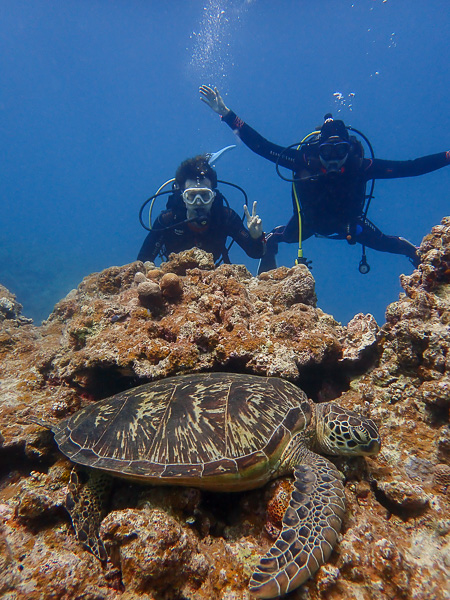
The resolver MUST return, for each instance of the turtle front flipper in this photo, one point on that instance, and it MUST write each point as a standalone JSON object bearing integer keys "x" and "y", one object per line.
{"x": 310, "y": 529}
{"x": 86, "y": 506}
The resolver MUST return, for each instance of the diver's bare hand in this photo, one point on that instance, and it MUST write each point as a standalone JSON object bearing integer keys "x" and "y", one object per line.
{"x": 213, "y": 99}
{"x": 254, "y": 223}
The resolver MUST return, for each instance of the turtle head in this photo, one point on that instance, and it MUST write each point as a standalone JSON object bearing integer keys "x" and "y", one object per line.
{"x": 340, "y": 431}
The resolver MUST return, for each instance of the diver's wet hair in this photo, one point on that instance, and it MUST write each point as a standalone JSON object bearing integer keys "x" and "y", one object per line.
{"x": 195, "y": 168}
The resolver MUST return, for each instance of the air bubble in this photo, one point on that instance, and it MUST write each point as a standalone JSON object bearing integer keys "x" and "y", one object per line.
{"x": 211, "y": 54}
{"x": 343, "y": 101}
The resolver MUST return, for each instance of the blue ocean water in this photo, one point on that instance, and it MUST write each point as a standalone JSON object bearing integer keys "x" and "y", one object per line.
{"x": 99, "y": 104}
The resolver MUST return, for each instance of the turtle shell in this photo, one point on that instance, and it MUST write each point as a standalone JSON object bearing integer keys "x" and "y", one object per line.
{"x": 218, "y": 431}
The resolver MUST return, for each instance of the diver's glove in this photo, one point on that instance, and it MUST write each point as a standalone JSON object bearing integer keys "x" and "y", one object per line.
{"x": 213, "y": 99}
{"x": 254, "y": 223}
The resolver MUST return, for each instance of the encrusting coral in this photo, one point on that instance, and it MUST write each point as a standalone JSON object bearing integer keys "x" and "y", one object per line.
{"x": 107, "y": 336}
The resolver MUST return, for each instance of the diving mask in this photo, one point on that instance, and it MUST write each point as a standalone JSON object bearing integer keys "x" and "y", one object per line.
{"x": 337, "y": 151}
{"x": 193, "y": 196}
{"x": 333, "y": 154}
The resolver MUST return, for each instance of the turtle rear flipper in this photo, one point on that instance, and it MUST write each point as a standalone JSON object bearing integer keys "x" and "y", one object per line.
{"x": 86, "y": 507}
{"x": 310, "y": 529}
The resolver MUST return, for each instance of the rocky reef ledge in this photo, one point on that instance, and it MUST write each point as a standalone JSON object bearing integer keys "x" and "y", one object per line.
{"x": 137, "y": 323}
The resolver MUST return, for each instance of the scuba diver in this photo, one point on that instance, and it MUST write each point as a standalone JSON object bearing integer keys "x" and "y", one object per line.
{"x": 197, "y": 214}
{"x": 330, "y": 175}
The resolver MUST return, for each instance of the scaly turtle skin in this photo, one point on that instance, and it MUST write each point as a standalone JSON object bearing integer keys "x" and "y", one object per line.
{"x": 224, "y": 432}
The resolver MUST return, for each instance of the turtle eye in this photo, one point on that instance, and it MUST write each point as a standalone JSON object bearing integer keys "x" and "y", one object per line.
{"x": 360, "y": 436}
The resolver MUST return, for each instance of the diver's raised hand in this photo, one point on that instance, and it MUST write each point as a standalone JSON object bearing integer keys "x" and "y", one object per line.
{"x": 254, "y": 223}
{"x": 213, "y": 99}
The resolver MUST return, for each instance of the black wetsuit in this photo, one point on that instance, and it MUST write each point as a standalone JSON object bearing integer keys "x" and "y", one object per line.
{"x": 332, "y": 205}
{"x": 170, "y": 234}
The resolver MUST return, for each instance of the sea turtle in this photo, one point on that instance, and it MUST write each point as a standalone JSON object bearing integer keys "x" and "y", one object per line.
{"x": 225, "y": 432}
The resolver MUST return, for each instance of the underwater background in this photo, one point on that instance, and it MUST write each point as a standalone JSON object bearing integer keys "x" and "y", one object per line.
{"x": 99, "y": 104}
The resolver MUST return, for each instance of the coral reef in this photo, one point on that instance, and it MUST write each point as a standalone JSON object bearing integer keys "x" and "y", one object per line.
{"x": 136, "y": 323}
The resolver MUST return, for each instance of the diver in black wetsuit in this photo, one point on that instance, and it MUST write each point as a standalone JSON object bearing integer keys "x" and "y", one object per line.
{"x": 196, "y": 216}
{"x": 330, "y": 177}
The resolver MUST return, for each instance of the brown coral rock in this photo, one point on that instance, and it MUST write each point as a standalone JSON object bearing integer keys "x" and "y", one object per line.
{"x": 360, "y": 338}
{"x": 189, "y": 259}
{"x": 171, "y": 285}
{"x": 100, "y": 339}
{"x": 441, "y": 475}
{"x": 155, "y": 552}
{"x": 10, "y": 308}
{"x": 149, "y": 292}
